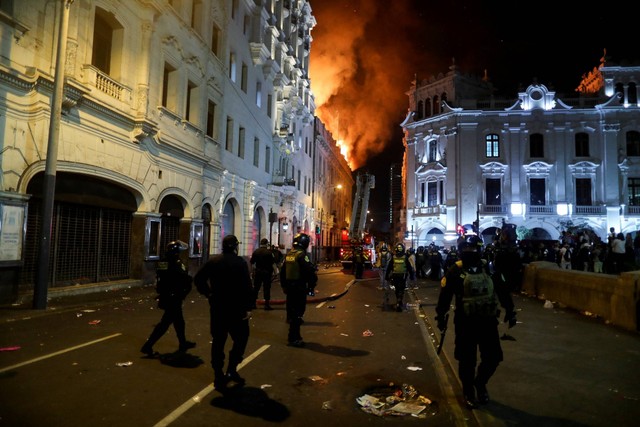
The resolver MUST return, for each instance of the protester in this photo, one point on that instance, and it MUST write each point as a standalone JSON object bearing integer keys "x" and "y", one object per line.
{"x": 399, "y": 270}
{"x": 224, "y": 279}
{"x": 264, "y": 264}
{"x": 298, "y": 278}
{"x": 384, "y": 258}
{"x": 173, "y": 284}
{"x": 475, "y": 318}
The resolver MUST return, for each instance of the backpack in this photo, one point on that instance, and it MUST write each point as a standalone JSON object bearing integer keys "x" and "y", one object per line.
{"x": 478, "y": 298}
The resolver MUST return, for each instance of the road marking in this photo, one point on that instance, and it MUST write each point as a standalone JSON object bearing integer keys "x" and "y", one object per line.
{"x": 197, "y": 398}
{"x": 37, "y": 359}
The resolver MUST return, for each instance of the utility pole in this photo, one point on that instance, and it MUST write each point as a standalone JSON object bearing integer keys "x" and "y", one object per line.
{"x": 49, "y": 184}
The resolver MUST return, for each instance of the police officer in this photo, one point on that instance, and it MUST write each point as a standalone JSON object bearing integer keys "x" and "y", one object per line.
{"x": 358, "y": 261}
{"x": 173, "y": 284}
{"x": 298, "y": 278}
{"x": 225, "y": 280}
{"x": 398, "y": 270}
{"x": 421, "y": 262}
{"x": 475, "y": 319}
{"x": 263, "y": 263}
{"x": 384, "y": 257}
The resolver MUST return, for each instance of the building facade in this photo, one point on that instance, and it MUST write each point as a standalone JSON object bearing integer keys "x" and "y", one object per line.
{"x": 540, "y": 160}
{"x": 180, "y": 119}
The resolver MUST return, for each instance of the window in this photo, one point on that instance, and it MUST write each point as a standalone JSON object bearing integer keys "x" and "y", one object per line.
{"x": 256, "y": 152}
{"x": 422, "y": 192}
{"x": 538, "y": 192}
{"x": 536, "y": 147}
{"x": 433, "y": 151}
{"x": 432, "y": 198}
{"x": 299, "y": 179}
{"x": 241, "y": 135}
{"x": 259, "y": 94}
{"x": 246, "y": 24}
{"x": 634, "y": 191}
{"x": 420, "y": 110}
{"x": 583, "y": 192}
{"x": 229, "y": 139}
{"x": 170, "y": 88}
{"x": 582, "y": 144}
{"x": 108, "y": 36}
{"x": 197, "y": 12}
{"x": 492, "y": 143}
{"x": 633, "y": 143}
{"x": 232, "y": 67}
{"x": 436, "y": 105}
{"x": 7, "y": 6}
{"x": 492, "y": 192}
{"x": 211, "y": 119}
{"x": 267, "y": 159}
{"x": 269, "y": 105}
{"x": 245, "y": 77}
{"x": 215, "y": 39}
{"x": 191, "y": 113}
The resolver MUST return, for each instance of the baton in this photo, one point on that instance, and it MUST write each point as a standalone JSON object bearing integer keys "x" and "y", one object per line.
{"x": 444, "y": 332}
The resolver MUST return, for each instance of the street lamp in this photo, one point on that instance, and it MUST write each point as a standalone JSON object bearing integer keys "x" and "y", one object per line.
{"x": 273, "y": 218}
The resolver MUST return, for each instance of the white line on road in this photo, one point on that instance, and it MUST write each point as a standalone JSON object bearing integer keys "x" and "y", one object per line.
{"x": 197, "y": 398}
{"x": 66, "y": 350}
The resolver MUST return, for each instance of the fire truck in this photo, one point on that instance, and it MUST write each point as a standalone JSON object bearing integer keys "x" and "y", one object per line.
{"x": 356, "y": 235}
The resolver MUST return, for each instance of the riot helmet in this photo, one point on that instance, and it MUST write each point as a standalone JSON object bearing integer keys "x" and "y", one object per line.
{"x": 469, "y": 249}
{"x": 264, "y": 242}
{"x": 383, "y": 248}
{"x": 230, "y": 244}
{"x": 301, "y": 241}
{"x": 175, "y": 247}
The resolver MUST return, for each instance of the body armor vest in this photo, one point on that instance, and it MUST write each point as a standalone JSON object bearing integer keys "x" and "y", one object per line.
{"x": 292, "y": 266}
{"x": 399, "y": 265}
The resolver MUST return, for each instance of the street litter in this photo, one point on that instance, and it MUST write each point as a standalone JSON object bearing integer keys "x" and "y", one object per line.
{"x": 548, "y": 304}
{"x": 263, "y": 386}
{"x": 94, "y": 322}
{"x": 414, "y": 368}
{"x": 396, "y": 400}
{"x": 327, "y": 405}
{"x": 12, "y": 348}
{"x": 124, "y": 364}
{"x": 88, "y": 311}
{"x": 367, "y": 333}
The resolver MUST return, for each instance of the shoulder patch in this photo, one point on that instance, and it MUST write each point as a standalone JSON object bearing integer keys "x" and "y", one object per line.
{"x": 306, "y": 258}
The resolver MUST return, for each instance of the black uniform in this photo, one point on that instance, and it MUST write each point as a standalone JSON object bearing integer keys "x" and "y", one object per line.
{"x": 264, "y": 262}
{"x": 173, "y": 284}
{"x": 298, "y": 277}
{"x": 476, "y": 322}
{"x": 358, "y": 262}
{"x": 399, "y": 270}
{"x": 224, "y": 279}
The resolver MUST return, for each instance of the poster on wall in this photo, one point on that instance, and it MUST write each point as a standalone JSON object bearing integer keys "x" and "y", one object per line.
{"x": 11, "y": 232}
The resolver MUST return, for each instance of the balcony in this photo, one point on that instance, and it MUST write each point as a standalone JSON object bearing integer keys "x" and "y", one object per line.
{"x": 429, "y": 210}
{"x": 106, "y": 84}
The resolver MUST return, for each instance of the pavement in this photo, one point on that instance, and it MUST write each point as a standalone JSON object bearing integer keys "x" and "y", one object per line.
{"x": 560, "y": 368}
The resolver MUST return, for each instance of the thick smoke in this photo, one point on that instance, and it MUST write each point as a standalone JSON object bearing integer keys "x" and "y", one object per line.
{"x": 359, "y": 72}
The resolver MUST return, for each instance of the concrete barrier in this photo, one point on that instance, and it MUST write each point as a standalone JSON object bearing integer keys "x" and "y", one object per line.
{"x": 614, "y": 298}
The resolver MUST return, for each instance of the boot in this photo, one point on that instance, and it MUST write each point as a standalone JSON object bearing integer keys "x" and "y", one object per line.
{"x": 399, "y": 306}
{"x": 233, "y": 375}
{"x": 147, "y": 349}
{"x": 483, "y": 394}
{"x": 186, "y": 345}
{"x": 220, "y": 380}
{"x": 470, "y": 397}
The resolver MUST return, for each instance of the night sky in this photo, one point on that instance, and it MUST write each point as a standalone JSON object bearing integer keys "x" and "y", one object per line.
{"x": 365, "y": 53}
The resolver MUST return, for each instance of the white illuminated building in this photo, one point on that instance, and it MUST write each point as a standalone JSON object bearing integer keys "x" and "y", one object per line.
{"x": 538, "y": 160}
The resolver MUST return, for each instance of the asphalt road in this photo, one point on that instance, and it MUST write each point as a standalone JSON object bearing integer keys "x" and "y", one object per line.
{"x": 78, "y": 363}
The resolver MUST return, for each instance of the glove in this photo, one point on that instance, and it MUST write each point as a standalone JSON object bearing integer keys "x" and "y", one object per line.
{"x": 442, "y": 323}
{"x": 511, "y": 319}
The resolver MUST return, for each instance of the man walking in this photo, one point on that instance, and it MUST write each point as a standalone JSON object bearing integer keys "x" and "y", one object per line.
{"x": 224, "y": 279}
{"x": 475, "y": 319}
{"x": 173, "y": 284}
{"x": 298, "y": 277}
{"x": 264, "y": 264}
{"x": 399, "y": 270}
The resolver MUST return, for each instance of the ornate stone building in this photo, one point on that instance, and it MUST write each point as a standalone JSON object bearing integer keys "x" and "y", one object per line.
{"x": 179, "y": 119}
{"x": 539, "y": 160}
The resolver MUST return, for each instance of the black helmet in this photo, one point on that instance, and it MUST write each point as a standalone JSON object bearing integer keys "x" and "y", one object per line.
{"x": 399, "y": 248}
{"x": 301, "y": 241}
{"x": 383, "y": 248}
{"x": 175, "y": 247}
{"x": 230, "y": 243}
{"x": 264, "y": 242}
{"x": 470, "y": 242}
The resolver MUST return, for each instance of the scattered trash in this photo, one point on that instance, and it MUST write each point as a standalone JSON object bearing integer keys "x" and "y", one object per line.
{"x": 396, "y": 401}
{"x": 414, "y": 368}
{"x": 88, "y": 311}
{"x": 94, "y": 322}
{"x": 327, "y": 405}
{"x": 344, "y": 335}
{"x": 367, "y": 333}
{"x": 11, "y": 348}
{"x": 403, "y": 357}
{"x": 263, "y": 386}
{"x": 548, "y": 304}
{"x": 331, "y": 306}
{"x": 316, "y": 378}
{"x": 124, "y": 364}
